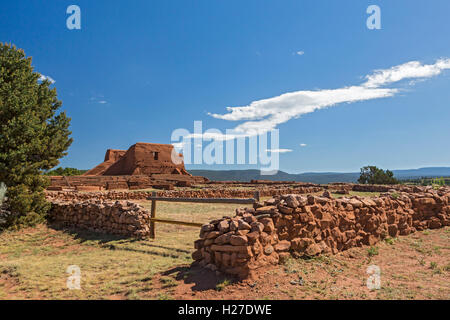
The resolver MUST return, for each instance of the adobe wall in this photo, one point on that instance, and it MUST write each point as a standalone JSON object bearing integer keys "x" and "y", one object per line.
{"x": 111, "y": 217}
{"x": 140, "y": 159}
{"x": 311, "y": 225}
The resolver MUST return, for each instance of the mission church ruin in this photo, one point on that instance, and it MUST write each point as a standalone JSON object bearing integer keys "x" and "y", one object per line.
{"x": 143, "y": 165}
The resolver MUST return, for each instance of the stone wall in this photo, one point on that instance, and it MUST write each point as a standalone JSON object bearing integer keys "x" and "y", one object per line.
{"x": 202, "y": 193}
{"x": 124, "y": 182}
{"x": 112, "y": 217}
{"x": 311, "y": 225}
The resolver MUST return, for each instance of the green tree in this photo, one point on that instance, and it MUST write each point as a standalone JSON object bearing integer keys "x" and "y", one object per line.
{"x": 65, "y": 172}
{"x": 33, "y": 136}
{"x": 374, "y": 175}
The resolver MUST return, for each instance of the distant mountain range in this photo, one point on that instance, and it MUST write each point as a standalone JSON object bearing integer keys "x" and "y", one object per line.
{"x": 315, "y": 177}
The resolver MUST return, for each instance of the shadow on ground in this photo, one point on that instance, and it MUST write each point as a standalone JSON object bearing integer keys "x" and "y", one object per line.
{"x": 203, "y": 279}
{"x": 118, "y": 242}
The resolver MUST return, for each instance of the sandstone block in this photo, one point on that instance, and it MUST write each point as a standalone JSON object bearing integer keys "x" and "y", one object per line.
{"x": 283, "y": 245}
{"x": 237, "y": 240}
{"x": 243, "y": 225}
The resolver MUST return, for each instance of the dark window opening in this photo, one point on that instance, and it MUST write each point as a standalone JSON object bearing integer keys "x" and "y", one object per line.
{"x": 155, "y": 155}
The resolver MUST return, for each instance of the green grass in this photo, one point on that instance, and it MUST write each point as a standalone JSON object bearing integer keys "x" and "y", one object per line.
{"x": 372, "y": 251}
{"x": 390, "y": 240}
{"x": 395, "y": 195}
{"x": 357, "y": 193}
{"x": 223, "y": 284}
{"x": 433, "y": 265}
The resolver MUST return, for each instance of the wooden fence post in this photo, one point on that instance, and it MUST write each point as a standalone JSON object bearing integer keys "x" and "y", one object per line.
{"x": 256, "y": 196}
{"x": 153, "y": 216}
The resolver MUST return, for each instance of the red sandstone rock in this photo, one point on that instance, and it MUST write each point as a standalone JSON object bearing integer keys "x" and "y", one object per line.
{"x": 252, "y": 237}
{"x": 228, "y": 248}
{"x": 282, "y": 246}
{"x": 257, "y": 226}
{"x": 268, "y": 250}
{"x": 238, "y": 240}
{"x": 243, "y": 225}
{"x": 265, "y": 209}
{"x": 313, "y": 249}
{"x": 223, "y": 226}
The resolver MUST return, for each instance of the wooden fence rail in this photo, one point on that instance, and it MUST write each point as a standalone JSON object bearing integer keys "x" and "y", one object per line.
{"x": 154, "y": 198}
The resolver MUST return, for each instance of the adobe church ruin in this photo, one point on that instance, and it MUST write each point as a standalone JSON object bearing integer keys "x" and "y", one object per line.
{"x": 139, "y": 159}
{"x": 143, "y": 165}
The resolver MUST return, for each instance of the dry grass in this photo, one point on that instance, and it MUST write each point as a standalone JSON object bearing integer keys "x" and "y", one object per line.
{"x": 33, "y": 265}
{"x": 412, "y": 267}
{"x": 33, "y": 261}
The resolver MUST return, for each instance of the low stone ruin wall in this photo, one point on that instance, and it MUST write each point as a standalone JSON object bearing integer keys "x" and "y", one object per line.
{"x": 112, "y": 217}
{"x": 206, "y": 193}
{"x": 124, "y": 182}
{"x": 310, "y": 225}
{"x": 347, "y": 187}
{"x": 383, "y": 188}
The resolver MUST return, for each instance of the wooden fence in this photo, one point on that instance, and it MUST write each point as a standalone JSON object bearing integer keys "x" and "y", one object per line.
{"x": 154, "y": 198}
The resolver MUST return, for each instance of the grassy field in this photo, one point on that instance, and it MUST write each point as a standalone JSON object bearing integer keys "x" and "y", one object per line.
{"x": 33, "y": 264}
{"x": 33, "y": 261}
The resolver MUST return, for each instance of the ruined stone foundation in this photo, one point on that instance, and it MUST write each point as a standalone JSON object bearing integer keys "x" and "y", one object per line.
{"x": 311, "y": 225}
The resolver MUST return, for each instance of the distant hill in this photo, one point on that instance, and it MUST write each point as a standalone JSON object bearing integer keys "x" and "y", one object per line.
{"x": 431, "y": 172}
{"x": 315, "y": 177}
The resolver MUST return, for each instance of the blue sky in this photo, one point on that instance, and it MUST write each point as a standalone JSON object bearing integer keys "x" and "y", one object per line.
{"x": 137, "y": 70}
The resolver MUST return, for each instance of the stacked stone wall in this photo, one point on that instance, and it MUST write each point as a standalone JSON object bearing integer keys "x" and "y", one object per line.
{"x": 205, "y": 193}
{"x": 310, "y": 225}
{"x": 112, "y": 217}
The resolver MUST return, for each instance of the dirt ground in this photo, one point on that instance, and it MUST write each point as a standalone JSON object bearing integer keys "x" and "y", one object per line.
{"x": 412, "y": 267}
{"x": 33, "y": 263}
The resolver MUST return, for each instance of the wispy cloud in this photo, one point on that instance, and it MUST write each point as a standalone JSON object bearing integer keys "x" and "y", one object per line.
{"x": 43, "y": 78}
{"x": 264, "y": 115}
{"x": 278, "y": 150}
{"x": 303, "y": 144}
{"x": 409, "y": 70}
{"x": 300, "y": 53}
{"x": 98, "y": 98}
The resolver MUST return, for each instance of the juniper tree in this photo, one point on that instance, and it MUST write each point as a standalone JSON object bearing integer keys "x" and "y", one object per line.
{"x": 374, "y": 175}
{"x": 33, "y": 136}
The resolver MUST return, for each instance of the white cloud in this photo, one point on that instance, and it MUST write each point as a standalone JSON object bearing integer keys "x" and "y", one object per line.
{"x": 98, "y": 98}
{"x": 43, "y": 78}
{"x": 268, "y": 113}
{"x": 264, "y": 115}
{"x": 303, "y": 144}
{"x": 300, "y": 53}
{"x": 278, "y": 150}
{"x": 409, "y": 70}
